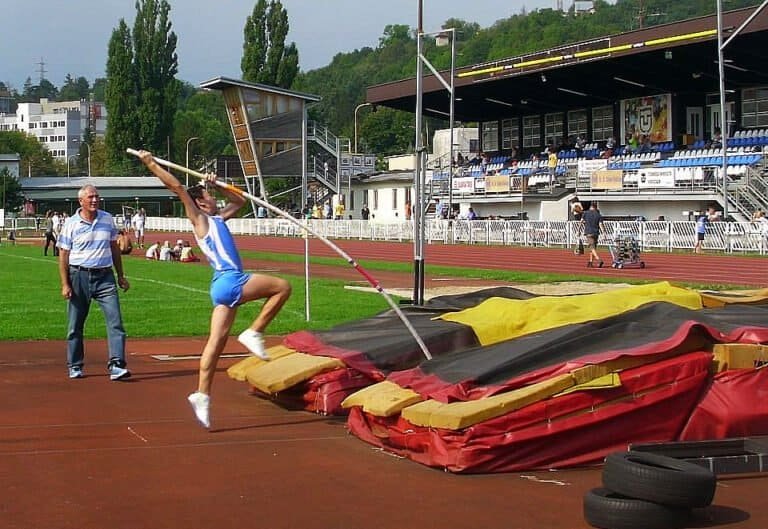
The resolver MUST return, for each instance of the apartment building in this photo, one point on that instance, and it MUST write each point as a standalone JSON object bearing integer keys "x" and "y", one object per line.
{"x": 59, "y": 125}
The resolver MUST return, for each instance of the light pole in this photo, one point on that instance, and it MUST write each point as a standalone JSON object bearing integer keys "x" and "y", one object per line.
{"x": 68, "y": 159}
{"x": 188, "y": 142}
{"x": 87, "y": 146}
{"x": 358, "y": 107}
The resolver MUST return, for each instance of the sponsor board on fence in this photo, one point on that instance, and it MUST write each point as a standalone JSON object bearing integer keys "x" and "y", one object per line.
{"x": 656, "y": 177}
{"x": 496, "y": 184}
{"x": 587, "y": 168}
{"x": 464, "y": 184}
{"x": 607, "y": 179}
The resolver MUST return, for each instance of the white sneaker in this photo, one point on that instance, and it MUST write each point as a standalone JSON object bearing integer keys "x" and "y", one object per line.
{"x": 254, "y": 342}
{"x": 201, "y": 403}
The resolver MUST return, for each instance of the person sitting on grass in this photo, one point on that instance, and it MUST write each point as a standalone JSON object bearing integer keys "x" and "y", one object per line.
{"x": 231, "y": 287}
{"x": 187, "y": 254}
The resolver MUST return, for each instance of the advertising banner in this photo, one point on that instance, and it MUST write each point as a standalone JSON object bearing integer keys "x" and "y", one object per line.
{"x": 587, "y": 167}
{"x": 646, "y": 116}
{"x": 464, "y": 184}
{"x": 656, "y": 177}
{"x": 608, "y": 179}
{"x": 497, "y": 184}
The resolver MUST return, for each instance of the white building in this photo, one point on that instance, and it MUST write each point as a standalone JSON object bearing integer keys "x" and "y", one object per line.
{"x": 59, "y": 126}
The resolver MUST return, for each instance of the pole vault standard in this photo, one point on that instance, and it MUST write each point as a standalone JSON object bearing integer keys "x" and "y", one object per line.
{"x": 368, "y": 277}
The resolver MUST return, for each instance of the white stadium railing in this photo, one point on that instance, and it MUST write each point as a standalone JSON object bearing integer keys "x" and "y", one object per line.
{"x": 664, "y": 236}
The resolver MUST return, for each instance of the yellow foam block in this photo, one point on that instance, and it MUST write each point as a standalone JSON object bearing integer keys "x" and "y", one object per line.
{"x": 237, "y": 370}
{"x": 585, "y": 374}
{"x": 607, "y": 381}
{"x": 458, "y": 415}
{"x": 720, "y": 299}
{"x": 738, "y": 356}
{"x": 383, "y": 399}
{"x": 287, "y": 371}
{"x": 498, "y": 319}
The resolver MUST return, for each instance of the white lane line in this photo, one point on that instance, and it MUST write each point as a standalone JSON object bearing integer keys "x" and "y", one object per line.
{"x": 137, "y": 435}
{"x": 130, "y": 277}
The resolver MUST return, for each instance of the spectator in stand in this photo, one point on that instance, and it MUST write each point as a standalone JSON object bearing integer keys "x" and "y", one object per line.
{"x": 645, "y": 144}
{"x": 153, "y": 252}
{"x": 717, "y": 139}
{"x": 261, "y": 212}
{"x": 407, "y": 210}
{"x": 459, "y": 159}
{"x": 484, "y": 160}
{"x": 579, "y": 145}
{"x": 471, "y": 215}
{"x": 593, "y": 225}
{"x": 365, "y": 213}
{"x": 552, "y": 165}
{"x": 327, "y": 211}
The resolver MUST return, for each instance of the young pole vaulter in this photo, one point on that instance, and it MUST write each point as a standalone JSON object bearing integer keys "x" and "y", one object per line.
{"x": 230, "y": 286}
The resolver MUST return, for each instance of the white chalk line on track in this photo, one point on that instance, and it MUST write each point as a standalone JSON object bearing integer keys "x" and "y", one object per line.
{"x": 132, "y": 431}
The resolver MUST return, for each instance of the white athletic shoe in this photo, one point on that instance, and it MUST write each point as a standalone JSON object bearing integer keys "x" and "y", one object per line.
{"x": 201, "y": 404}
{"x": 254, "y": 342}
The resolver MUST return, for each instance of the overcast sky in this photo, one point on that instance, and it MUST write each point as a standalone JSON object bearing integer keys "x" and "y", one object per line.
{"x": 71, "y": 36}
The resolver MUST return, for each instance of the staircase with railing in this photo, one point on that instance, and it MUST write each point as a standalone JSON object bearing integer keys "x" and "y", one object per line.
{"x": 748, "y": 194}
{"x": 325, "y": 151}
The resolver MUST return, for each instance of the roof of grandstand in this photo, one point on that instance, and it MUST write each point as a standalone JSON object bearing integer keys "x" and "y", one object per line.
{"x": 677, "y": 58}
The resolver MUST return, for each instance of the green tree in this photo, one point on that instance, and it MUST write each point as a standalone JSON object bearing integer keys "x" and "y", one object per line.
{"x": 266, "y": 59}
{"x": 12, "y": 196}
{"x": 36, "y": 160}
{"x": 156, "y": 65}
{"x": 120, "y": 96}
{"x": 74, "y": 89}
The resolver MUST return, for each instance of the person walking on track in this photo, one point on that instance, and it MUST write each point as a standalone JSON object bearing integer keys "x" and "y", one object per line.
{"x": 230, "y": 287}
{"x": 593, "y": 225}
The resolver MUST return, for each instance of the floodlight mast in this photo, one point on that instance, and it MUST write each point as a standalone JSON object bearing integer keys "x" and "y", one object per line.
{"x": 418, "y": 174}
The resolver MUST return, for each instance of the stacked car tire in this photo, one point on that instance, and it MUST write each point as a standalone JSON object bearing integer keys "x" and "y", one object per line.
{"x": 648, "y": 491}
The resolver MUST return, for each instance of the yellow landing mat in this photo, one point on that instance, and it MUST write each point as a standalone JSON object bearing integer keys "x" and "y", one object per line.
{"x": 237, "y": 371}
{"x": 383, "y": 399}
{"x": 386, "y": 398}
{"x": 286, "y": 371}
{"x": 721, "y": 299}
{"x": 498, "y": 319}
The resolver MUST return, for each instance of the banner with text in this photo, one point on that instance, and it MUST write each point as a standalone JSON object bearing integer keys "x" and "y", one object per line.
{"x": 608, "y": 179}
{"x": 656, "y": 177}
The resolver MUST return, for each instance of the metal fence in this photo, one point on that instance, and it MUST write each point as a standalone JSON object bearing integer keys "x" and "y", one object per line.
{"x": 664, "y": 236}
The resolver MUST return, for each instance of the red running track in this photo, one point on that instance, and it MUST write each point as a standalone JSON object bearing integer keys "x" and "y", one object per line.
{"x": 712, "y": 269}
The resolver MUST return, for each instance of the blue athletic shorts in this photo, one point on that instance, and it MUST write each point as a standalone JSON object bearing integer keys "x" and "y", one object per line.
{"x": 227, "y": 288}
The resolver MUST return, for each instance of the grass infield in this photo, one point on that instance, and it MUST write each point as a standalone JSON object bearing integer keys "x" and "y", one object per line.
{"x": 165, "y": 299}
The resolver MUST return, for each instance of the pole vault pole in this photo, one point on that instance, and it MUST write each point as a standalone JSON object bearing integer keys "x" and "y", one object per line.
{"x": 371, "y": 280}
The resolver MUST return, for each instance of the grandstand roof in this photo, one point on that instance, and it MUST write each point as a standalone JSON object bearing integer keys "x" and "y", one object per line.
{"x": 678, "y": 58}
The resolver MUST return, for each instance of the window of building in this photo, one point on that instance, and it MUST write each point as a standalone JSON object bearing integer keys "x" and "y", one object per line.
{"x": 43, "y": 124}
{"x": 602, "y": 123}
{"x": 394, "y": 198}
{"x": 33, "y": 125}
{"x": 375, "y": 199}
{"x": 577, "y": 123}
{"x": 351, "y": 200}
{"x": 531, "y": 132}
{"x": 42, "y": 139}
{"x": 490, "y": 135}
{"x": 510, "y": 134}
{"x": 553, "y": 128}
{"x": 754, "y": 107}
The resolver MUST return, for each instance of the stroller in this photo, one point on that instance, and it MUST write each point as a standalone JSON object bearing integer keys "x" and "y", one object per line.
{"x": 625, "y": 252}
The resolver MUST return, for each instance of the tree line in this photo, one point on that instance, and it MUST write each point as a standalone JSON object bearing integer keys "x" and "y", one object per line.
{"x": 149, "y": 107}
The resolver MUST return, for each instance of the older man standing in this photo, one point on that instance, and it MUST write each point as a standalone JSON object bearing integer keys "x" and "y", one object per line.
{"x": 87, "y": 252}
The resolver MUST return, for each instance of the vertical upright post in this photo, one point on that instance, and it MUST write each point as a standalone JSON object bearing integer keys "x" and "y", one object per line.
{"x": 723, "y": 120}
{"x": 451, "y": 118}
{"x": 420, "y": 209}
{"x": 304, "y": 192}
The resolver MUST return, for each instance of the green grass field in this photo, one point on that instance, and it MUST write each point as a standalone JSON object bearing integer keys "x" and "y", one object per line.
{"x": 165, "y": 299}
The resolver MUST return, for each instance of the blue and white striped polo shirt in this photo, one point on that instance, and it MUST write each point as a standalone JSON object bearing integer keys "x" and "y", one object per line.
{"x": 89, "y": 243}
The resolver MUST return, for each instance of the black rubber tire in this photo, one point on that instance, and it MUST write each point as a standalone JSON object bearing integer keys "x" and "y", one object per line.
{"x": 609, "y": 510}
{"x": 659, "y": 479}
